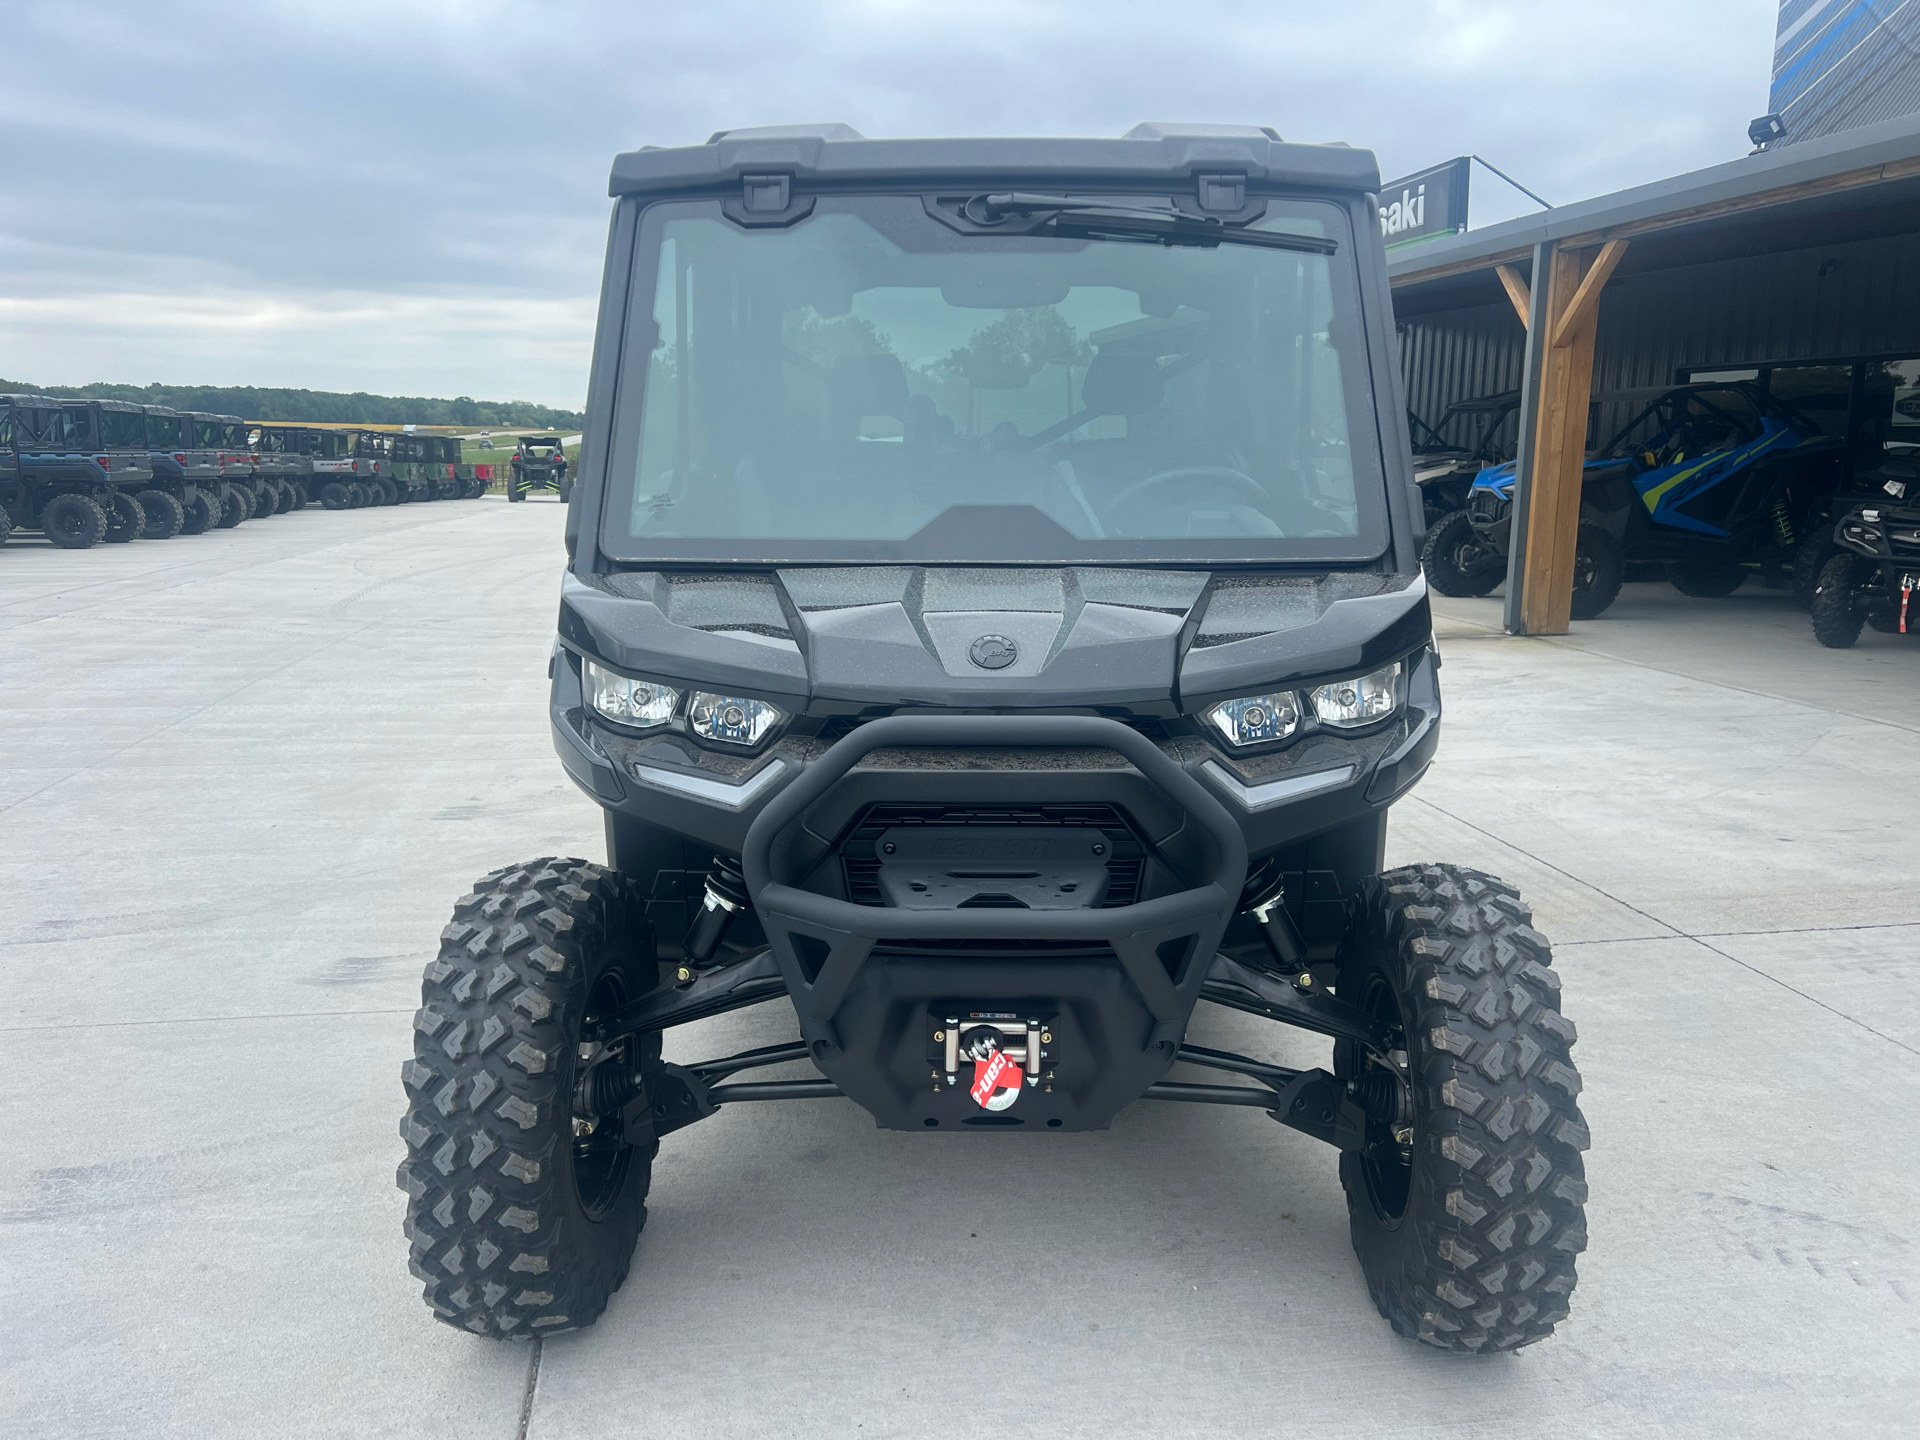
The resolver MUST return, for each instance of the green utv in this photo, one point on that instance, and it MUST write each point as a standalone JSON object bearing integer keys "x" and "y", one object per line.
{"x": 993, "y": 627}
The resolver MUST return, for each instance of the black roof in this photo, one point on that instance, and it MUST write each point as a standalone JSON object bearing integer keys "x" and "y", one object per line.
{"x": 839, "y": 153}
{"x": 28, "y": 398}
{"x": 161, "y": 410}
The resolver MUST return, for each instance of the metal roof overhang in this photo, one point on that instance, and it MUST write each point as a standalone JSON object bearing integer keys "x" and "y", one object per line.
{"x": 1852, "y": 186}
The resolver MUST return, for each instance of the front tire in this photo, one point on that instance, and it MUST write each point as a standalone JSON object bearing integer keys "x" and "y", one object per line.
{"x": 1457, "y": 562}
{"x": 1466, "y": 1221}
{"x": 519, "y": 1225}
{"x": 1599, "y": 567}
{"x": 1836, "y": 619}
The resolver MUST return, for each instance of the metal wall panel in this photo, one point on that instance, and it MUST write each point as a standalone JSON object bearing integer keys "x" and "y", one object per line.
{"x": 1830, "y": 302}
{"x": 1842, "y": 63}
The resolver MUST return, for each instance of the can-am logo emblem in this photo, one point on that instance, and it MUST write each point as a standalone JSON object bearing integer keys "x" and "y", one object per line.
{"x": 993, "y": 652}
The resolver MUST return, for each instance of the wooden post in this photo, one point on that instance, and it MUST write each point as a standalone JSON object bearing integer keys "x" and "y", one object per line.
{"x": 1559, "y": 452}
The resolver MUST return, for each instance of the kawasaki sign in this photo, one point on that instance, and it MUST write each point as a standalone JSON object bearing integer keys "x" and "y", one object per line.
{"x": 1425, "y": 204}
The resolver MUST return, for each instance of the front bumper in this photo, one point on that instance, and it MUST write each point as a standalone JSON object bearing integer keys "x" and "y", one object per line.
{"x": 1111, "y": 988}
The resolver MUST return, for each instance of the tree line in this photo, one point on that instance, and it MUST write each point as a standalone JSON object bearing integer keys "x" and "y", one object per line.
{"x": 252, "y": 402}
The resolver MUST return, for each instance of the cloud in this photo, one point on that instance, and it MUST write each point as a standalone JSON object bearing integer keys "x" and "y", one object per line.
{"x": 410, "y": 194}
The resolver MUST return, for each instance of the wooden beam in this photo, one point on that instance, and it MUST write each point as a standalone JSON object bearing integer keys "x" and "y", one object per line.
{"x": 1559, "y": 449}
{"x": 1586, "y": 300}
{"x": 1516, "y": 289}
{"x": 1463, "y": 267}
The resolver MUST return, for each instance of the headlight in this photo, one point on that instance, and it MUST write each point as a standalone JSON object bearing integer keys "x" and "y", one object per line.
{"x": 1347, "y": 704}
{"x": 1257, "y": 718}
{"x": 639, "y": 703}
{"x": 731, "y": 719}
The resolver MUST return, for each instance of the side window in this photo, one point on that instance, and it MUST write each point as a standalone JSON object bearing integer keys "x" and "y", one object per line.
{"x": 73, "y": 427}
{"x": 1890, "y": 402}
{"x": 1814, "y": 394}
{"x": 6, "y": 426}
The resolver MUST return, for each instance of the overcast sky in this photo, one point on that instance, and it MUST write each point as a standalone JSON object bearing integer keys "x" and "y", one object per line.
{"x": 409, "y": 196}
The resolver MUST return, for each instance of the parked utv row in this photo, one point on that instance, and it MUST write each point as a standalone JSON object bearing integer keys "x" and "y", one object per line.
{"x": 1707, "y": 483}
{"x": 86, "y": 471}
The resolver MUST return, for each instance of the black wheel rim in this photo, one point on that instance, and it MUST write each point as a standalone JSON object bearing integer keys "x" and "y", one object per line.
{"x": 601, "y": 1157}
{"x": 1386, "y": 1161}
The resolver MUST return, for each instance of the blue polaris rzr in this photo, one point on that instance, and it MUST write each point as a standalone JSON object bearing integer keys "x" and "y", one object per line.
{"x": 1711, "y": 480}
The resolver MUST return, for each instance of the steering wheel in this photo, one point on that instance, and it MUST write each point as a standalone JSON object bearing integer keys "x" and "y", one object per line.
{"x": 1222, "y": 477}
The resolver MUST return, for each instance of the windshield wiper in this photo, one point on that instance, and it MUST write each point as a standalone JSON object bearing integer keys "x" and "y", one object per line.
{"x": 1097, "y": 220}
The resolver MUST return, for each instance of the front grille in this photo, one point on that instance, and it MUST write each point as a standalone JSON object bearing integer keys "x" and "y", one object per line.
{"x": 1126, "y": 855}
{"x": 838, "y": 727}
{"x": 1487, "y": 507}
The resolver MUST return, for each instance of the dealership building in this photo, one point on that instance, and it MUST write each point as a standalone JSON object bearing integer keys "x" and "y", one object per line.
{"x": 1795, "y": 269}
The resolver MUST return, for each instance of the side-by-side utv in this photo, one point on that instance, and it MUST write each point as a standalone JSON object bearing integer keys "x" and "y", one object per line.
{"x": 992, "y": 627}
{"x": 56, "y": 477}
{"x": 281, "y": 459}
{"x": 539, "y": 463}
{"x": 337, "y": 472}
{"x": 186, "y": 497}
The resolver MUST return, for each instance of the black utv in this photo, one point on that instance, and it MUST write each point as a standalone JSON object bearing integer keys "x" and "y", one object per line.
{"x": 280, "y": 458}
{"x": 186, "y": 495}
{"x": 993, "y": 625}
{"x": 1447, "y": 456}
{"x": 539, "y": 463}
{"x": 1875, "y": 574}
{"x": 1468, "y": 437}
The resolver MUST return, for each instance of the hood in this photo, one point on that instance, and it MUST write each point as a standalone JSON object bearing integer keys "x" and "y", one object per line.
{"x": 1078, "y": 636}
{"x": 1496, "y": 477}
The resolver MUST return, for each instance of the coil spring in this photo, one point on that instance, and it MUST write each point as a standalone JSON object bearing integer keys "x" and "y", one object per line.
{"x": 1782, "y": 523}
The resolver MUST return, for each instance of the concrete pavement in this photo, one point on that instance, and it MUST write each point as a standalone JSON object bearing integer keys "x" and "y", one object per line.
{"x": 242, "y": 777}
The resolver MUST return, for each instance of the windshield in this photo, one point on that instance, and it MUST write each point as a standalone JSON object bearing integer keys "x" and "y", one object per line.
{"x": 871, "y": 384}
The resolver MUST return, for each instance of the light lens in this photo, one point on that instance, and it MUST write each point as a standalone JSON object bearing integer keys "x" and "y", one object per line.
{"x": 1351, "y": 703}
{"x": 731, "y": 719}
{"x": 1257, "y": 718}
{"x": 638, "y": 703}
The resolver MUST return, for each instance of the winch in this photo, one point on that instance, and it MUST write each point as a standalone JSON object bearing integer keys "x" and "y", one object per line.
{"x": 1007, "y": 1049}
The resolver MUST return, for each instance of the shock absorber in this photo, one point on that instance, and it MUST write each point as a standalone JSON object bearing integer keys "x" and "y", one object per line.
{"x": 726, "y": 896}
{"x": 1782, "y": 524}
{"x": 1275, "y": 923}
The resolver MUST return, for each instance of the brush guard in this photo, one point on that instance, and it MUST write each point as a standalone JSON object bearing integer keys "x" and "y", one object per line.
{"x": 870, "y": 984}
